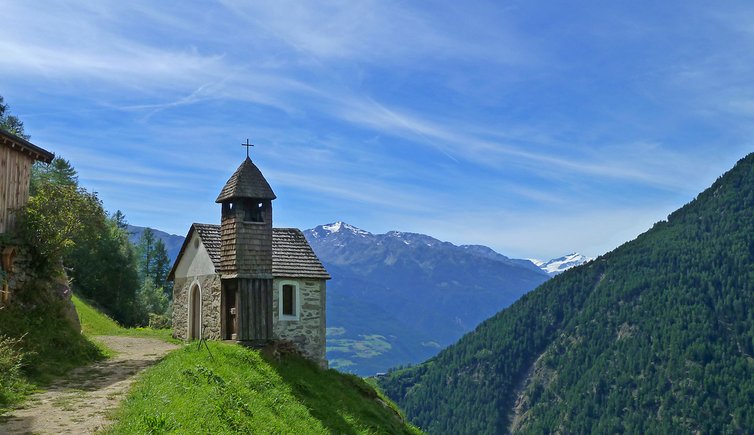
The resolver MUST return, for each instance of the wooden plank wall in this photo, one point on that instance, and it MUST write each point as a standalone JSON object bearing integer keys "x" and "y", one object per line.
{"x": 15, "y": 172}
{"x": 255, "y": 309}
{"x": 246, "y": 247}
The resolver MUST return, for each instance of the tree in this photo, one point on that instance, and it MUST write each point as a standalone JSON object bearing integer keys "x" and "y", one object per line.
{"x": 154, "y": 262}
{"x": 120, "y": 220}
{"x": 151, "y": 300}
{"x": 59, "y": 172}
{"x": 11, "y": 123}
{"x": 146, "y": 251}
{"x": 153, "y": 266}
{"x": 162, "y": 268}
{"x": 55, "y": 217}
{"x": 64, "y": 222}
{"x": 103, "y": 268}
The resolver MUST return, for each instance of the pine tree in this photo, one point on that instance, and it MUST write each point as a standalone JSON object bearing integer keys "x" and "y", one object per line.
{"x": 162, "y": 268}
{"x": 146, "y": 251}
{"x": 11, "y": 123}
{"x": 59, "y": 172}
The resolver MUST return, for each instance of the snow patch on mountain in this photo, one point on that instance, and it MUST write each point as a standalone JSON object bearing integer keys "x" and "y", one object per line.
{"x": 341, "y": 226}
{"x": 559, "y": 265}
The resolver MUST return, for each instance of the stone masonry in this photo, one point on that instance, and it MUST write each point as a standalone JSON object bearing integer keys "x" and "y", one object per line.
{"x": 210, "y": 288}
{"x": 308, "y": 332}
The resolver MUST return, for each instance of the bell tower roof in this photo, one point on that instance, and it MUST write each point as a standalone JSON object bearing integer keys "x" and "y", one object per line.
{"x": 246, "y": 182}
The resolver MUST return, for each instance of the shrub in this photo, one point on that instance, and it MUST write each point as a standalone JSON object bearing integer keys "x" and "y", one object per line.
{"x": 159, "y": 321}
{"x": 12, "y": 383}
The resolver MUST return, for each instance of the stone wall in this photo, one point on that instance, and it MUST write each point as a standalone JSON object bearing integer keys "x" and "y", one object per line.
{"x": 16, "y": 274}
{"x": 15, "y": 263}
{"x": 308, "y": 332}
{"x": 210, "y": 289}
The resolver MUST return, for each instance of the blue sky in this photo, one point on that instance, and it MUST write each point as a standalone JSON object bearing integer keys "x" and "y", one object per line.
{"x": 537, "y": 128}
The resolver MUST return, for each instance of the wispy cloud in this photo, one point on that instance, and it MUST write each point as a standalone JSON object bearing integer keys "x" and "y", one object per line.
{"x": 473, "y": 121}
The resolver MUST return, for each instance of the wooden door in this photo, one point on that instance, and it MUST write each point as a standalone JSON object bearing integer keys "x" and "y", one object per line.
{"x": 230, "y": 309}
{"x": 196, "y": 312}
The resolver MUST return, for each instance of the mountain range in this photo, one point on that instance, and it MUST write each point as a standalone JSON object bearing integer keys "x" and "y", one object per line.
{"x": 656, "y": 336}
{"x": 399, "y": 298}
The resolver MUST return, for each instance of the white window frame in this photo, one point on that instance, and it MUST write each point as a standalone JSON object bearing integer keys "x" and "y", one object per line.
{"x": 296, "y": 301}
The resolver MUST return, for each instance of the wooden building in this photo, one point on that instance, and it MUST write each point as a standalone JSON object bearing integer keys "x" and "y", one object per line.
{"x": 246, "y": 281}
{"x": 16, "y": 157}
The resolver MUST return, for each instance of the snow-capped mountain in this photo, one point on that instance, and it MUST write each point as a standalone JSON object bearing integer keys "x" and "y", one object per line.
{"x": 399, "y": 297}
{"x": 559, "y": 265}
{"x": 326, "y": 230}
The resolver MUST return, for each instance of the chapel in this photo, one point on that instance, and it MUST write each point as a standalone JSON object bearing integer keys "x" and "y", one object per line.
{"x": 248, "y": 282}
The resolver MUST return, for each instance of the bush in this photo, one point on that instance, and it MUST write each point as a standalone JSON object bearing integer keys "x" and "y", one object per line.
{"x": 40, "y": 342}
{"x": 160, "y": 321}
{"x": 12, "y": 383}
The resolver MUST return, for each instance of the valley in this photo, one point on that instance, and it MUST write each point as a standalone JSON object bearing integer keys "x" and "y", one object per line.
{"x": 393, "y": 297}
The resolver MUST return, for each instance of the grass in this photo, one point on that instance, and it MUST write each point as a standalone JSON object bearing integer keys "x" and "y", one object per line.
{"x": 40, "y": 345}
{"x": 94, "y": 322}
{"x": 238, "y": 390}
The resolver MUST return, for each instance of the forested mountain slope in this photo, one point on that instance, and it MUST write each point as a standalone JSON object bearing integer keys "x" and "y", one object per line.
{"x": 655, "y": 336}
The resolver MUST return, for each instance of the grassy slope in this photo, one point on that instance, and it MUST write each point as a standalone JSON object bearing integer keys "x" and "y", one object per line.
{"x": 37, "y": 344}
{"x": 94, "y": 323}
{"x": 47, "y": 344}
{"x": 237, "y": 390}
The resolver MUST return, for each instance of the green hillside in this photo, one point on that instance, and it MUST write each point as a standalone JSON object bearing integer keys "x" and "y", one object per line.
{"x": 38, "y": 343}
{"x": 94, "y": 322}
{"x": 237, "y": 390}
{"x": 654, "y": 337}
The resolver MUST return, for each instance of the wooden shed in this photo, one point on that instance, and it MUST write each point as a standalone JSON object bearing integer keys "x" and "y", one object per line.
{"x": 16, "y": 157}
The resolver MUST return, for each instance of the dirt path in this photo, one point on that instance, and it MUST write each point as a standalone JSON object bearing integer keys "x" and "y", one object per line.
{"x": 80, "y": 403}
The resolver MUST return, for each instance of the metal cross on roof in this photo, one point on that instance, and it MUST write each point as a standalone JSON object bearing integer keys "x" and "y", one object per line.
{"x": 247, "y": 145}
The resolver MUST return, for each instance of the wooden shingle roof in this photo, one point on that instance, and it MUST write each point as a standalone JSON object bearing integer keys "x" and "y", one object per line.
{"x": 292, "y": 256}
{"x": 246, "y": 182}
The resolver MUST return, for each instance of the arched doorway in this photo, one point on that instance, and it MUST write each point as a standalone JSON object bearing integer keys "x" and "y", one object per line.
{"x": 195, "y": 313}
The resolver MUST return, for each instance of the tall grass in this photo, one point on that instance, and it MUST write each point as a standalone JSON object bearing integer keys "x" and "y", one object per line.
{"x": 13, "y": 385}
{"x": 37, "y": 344}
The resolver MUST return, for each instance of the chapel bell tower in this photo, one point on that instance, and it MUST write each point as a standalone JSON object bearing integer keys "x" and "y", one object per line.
{"x": 246, "y": 255}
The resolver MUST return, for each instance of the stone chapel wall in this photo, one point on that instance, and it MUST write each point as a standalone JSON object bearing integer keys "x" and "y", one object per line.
{"x": 308, "y": 332}
{"x": 210, "y": 290}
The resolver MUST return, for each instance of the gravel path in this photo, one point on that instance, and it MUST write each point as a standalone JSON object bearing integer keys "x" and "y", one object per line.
{"x": 80, "y": 403}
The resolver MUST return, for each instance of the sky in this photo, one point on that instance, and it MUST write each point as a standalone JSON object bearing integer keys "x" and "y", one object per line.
{"x": 536, "y": 128}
